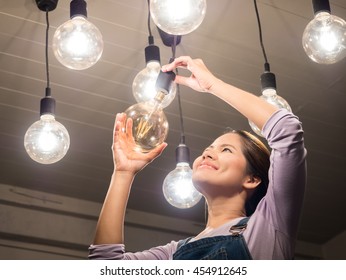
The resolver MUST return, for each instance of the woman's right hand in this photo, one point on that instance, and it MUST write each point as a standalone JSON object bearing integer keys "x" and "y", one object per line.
{"x": 201, "y": 78}
{"x": 125, "y": 154}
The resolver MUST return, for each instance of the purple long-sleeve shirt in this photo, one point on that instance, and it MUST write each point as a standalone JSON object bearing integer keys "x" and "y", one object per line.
{"x": 272, "y": 229}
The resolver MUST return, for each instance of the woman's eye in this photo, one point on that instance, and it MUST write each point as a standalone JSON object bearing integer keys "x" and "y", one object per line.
{"x": 227, "y": 150}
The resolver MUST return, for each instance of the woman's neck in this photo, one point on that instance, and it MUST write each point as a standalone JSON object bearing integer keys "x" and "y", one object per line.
{"x": 223, "y": 211}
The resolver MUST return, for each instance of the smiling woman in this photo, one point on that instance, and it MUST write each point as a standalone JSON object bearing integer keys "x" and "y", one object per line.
{"x": 254, "y": 197}
{"x": 256, "y": 156}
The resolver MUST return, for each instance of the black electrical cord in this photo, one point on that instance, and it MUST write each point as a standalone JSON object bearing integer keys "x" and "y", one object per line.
{"x": 149, "y": 27}
{"x": 47, "y": 103}
{"x": 182, "y": 130}
{"x": 266, "y": 64}
{"x": 47, "y": 64}
{"x": 150, "y": 37}
{"x": 174, "y": 47}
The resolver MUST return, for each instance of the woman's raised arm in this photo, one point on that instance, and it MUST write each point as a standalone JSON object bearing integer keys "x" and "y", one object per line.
{"x": 127, "y": 162}
{"x": 201, "y": 79}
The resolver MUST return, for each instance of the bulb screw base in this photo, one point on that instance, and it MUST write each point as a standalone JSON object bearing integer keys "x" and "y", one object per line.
{"x": 268, "y": 80}
{"x": 78, "y": 8}
{"x": 321, "y": 6}
{"x": 47, "y": 5}
{"x": 152, "y": 53}
{"x": 182, "y": 153}
{"x": 164, "y": 81}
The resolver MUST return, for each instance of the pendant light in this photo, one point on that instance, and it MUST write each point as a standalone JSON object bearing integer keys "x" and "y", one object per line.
{"x": 268, "y": 82}
{"x": 77, "y": 43}
{"x": 324, "y": 38}
{"x": 177, "y": 187}
{"x": 269, "y": 94}
{"x": 178, "y": 17}
{"x": 150, "y": 125}
{"x": 143, "y": 86}
{"x": 47, "y": 141}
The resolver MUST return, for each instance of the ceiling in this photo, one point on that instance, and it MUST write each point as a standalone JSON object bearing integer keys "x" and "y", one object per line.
{"x": 88, "y": 100}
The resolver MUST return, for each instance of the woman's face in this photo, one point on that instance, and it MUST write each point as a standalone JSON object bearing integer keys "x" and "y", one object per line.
{"x": 222, "y": 166}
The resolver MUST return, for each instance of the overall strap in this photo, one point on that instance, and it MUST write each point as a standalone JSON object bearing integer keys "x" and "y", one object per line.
{"x": 239, "y": 227}
{"x": 183, "y": 242}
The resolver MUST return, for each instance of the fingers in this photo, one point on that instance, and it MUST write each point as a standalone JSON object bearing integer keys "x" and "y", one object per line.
{"x": 119, "y": 125}
{"x": 182, "y": 80}
{"x": 129, "y": 124}
{"x": 185, "y": 62}
{"x": 181, "y": 62}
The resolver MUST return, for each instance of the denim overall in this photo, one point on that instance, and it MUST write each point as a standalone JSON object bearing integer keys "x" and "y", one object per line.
{"x": 223, "y": 247}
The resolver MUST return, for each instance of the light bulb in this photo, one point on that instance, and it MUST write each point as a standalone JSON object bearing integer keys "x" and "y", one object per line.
{"x": 324, "y": 38}
{"x": 178, "y": 17}
{"x": 47, "y": 141}
{"x": 269, "y": 95}
{"x": 77, "y": 43}
{"x": 177, "y": 187}
{"x": 150, "y": 125}
{"x": 143, "y": 86}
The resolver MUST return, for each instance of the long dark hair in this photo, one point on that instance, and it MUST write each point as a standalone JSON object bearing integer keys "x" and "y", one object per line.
{"x": 257, "y": 157}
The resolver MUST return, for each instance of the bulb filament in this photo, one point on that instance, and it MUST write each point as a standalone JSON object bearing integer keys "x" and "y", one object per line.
{"x": 144, "y": 125}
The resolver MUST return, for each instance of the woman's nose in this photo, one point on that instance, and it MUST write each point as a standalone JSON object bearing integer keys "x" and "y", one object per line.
{"x": 208, "y": 154}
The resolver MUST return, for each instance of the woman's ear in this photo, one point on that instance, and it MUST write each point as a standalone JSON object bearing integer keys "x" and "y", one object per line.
{"x": 251, "y": 182}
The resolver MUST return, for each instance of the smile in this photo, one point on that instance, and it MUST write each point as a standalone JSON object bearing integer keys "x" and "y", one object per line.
{"x": 207, "y": 165}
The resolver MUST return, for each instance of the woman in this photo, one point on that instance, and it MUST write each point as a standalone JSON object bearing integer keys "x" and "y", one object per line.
{"x": 232, "y": 174}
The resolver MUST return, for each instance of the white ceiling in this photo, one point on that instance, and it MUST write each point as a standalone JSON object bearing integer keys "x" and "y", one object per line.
{"x": 88, "y": 100}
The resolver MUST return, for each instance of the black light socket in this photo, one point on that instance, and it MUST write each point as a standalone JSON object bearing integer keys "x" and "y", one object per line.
{"x": 46, "y": 5}
{"x": 152, "y": 53}
{"x": 47, "y": 106}
{"x": 321, "y": 6}
{"x": 78, "y": 8}
{"x": 168, "y": 39}
{"x": 164, "y": 81}
{"x": 182, "y": 153}
{"x": 268, "y": 80}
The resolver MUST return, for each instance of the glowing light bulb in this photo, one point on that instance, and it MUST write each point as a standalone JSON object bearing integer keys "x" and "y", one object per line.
{"x": 77, "y": 43}
{"x": 178, "y": 17}
{"x": 178, "y": 188}
{"x": 46, "y": 141}
{"x": 143, "y": 86}
{"x": 269, "y": 94}
{"x": 150, "y": 125}
{"x": 324, "y": 38}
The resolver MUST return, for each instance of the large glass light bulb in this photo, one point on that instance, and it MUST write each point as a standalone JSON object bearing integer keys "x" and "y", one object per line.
{"x": 324, "y": 38}
{"x": 150, "y": 125}
{"x": 178, "y": 17}
{"x": 271, "y": 97}
{"x": 46, "y": 141}
{"x": 178, "y": 188}
{"x": 143, "y": 86}
{"x": 77, "y": 43}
